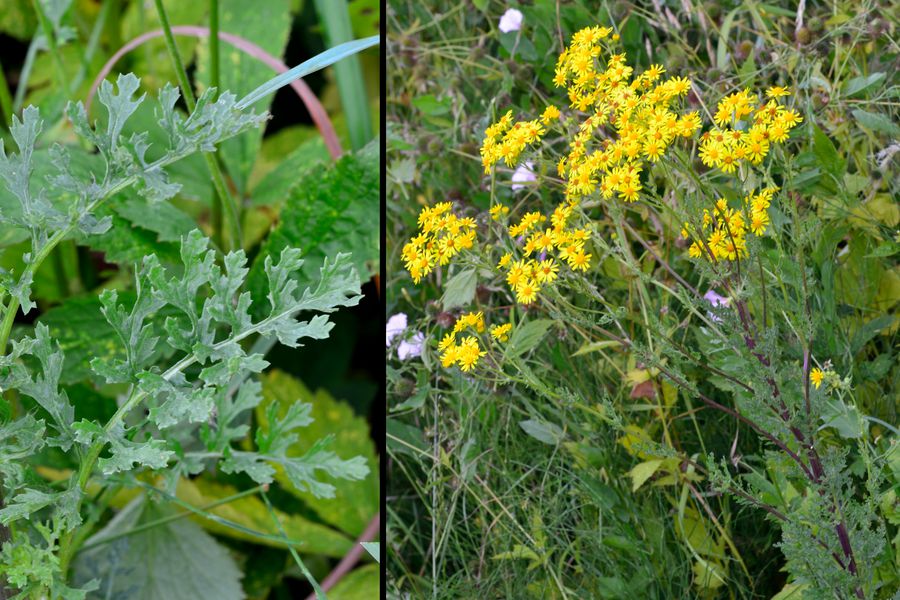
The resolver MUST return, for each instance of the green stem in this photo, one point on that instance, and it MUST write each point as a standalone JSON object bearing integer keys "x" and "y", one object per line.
{"x": 6, "y": 106}
{"x": 32, "y": 267}
{"x": 222, "y": 194}
{"x": 335, "y": 18}
{"x": 214, "y": 45}
{"x": 309, "y": 576}
{"x": 59, "y": 68}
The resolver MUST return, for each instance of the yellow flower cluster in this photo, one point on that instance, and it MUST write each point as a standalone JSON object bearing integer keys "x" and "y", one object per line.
{"x": 636, "y": 113}
{"x": 466, "y": 352}
{"x": 501, "y": 332}
{"x": 506, "y": 140}
{"x": 636, "y": 110}
{"x": 498, "y": 211}
{"x": 740, "y": 138}
{"x": 441, "y": 236}
{"x": 724, "y": 230}
{"x": 526, "y": 276}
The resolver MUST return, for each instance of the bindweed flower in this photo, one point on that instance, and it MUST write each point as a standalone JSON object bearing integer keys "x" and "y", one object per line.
{"x": 716, "y": 300}
{"x": 523, "y": 174}
{"x": 407, "y": 349}
{"x": 511, "y": 20}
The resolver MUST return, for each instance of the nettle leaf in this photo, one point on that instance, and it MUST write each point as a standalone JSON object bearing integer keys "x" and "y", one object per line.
{"x": 327, "y": 213}
{"x": 175, "y": 561}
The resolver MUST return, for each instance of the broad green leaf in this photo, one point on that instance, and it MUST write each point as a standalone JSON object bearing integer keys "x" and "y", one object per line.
{"x": 460, "y": 289}
{"x": 175, "y": 560}
{"x": 266, "y": 24}
{"x": 860, "y": 84}
{"x": 641, "y": 472}
{"x": 542, "y": 431}
{"x": 526, "y": 336}
{"x": 876, "y": 122}
{"x": 363, "y": 583}
{"x": 252, "y": 513}
{"x": 792, "y": 591}
{"x": 169, "y": 223}
{"x": 330, "y": 212}
{"x": 18, "y": 19}
{"x": 355, "y": 502}
{"x": 827, "y": 155}
{"x": 288, "y": 171}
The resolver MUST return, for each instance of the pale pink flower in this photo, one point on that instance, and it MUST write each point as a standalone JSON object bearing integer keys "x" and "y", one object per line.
{"x": 524, "y": 174}
{"x": 511, "y": 20}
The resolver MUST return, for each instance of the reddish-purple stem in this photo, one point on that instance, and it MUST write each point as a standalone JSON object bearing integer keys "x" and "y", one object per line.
{"x": 315, "y": 108}
{"x": 350, "y": 559}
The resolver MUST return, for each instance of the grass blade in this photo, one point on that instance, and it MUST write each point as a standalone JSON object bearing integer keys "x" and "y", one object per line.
{"x": 335, "y": 18}
{"x": 316, "y": 63}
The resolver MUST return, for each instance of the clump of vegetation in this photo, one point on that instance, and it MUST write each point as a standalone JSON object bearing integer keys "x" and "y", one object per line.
{"x": 685, "y": 377}
{"x": 141, "y": 311}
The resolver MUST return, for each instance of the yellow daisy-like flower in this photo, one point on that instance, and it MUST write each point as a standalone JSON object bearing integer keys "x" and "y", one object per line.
{"x": 550, "y": 114}
{"x": 816, "y": 376}
{"x": 777, "y": 92}
{"x": 501, "y": 332}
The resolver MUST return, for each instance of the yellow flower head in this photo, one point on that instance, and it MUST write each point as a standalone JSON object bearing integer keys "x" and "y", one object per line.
{"x": 501, "y": 332}
{"x": 816, "y": 376}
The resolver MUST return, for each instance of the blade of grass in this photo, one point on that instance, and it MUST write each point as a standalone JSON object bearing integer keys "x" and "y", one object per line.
{"x": 309, "y": 576}
{"x": 316, "y": 63}
{"x": 222, "y": 195}
{"x": 335, "y": 17}
{"x": 214, "y": 45}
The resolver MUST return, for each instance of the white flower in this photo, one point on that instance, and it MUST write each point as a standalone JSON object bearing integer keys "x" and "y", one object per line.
{"x": 511, "y": 20}
{"x": 716, "y": 300}
{"x": 523, "y": 174}
{"x": 395, "y": 326}
{"x": 412, "y": 348}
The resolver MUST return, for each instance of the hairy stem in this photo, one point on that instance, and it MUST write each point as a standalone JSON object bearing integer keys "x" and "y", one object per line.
{"x": 222, "y": 196}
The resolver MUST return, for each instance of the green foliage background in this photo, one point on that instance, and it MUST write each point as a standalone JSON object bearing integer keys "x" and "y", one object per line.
{"x": 517, "y": 487}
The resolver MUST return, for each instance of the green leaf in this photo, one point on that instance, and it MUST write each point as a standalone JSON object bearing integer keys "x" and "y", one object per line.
{"x": 363, "y": 583}
{"x": 860, "y": 84}
{"x": 374, "y": 549}
{"x": 543, "y": 431}
{"x": 355, "y": 502}
{"x": 318, "y": 62}
{"x": 251, "y": 513}
{"x": 176, "y": 560}
{"x": 827, "y": 155}
{"x": 641, "y": 472}
{"x": 876, "y": 122}
{"x": 328, "y": 213}
{"x": 170, "y": 223}
{"x": 526, "y": 336}
{"x": 460, "y": 289}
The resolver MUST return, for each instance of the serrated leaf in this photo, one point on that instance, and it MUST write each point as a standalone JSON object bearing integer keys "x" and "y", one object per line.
{"x": 641, "y": 472}
{"x": 355, "y": 502}
{"x": 176, "y": 560}
{"x": 328, "y": 213}
{"x": 460, "y": 289}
